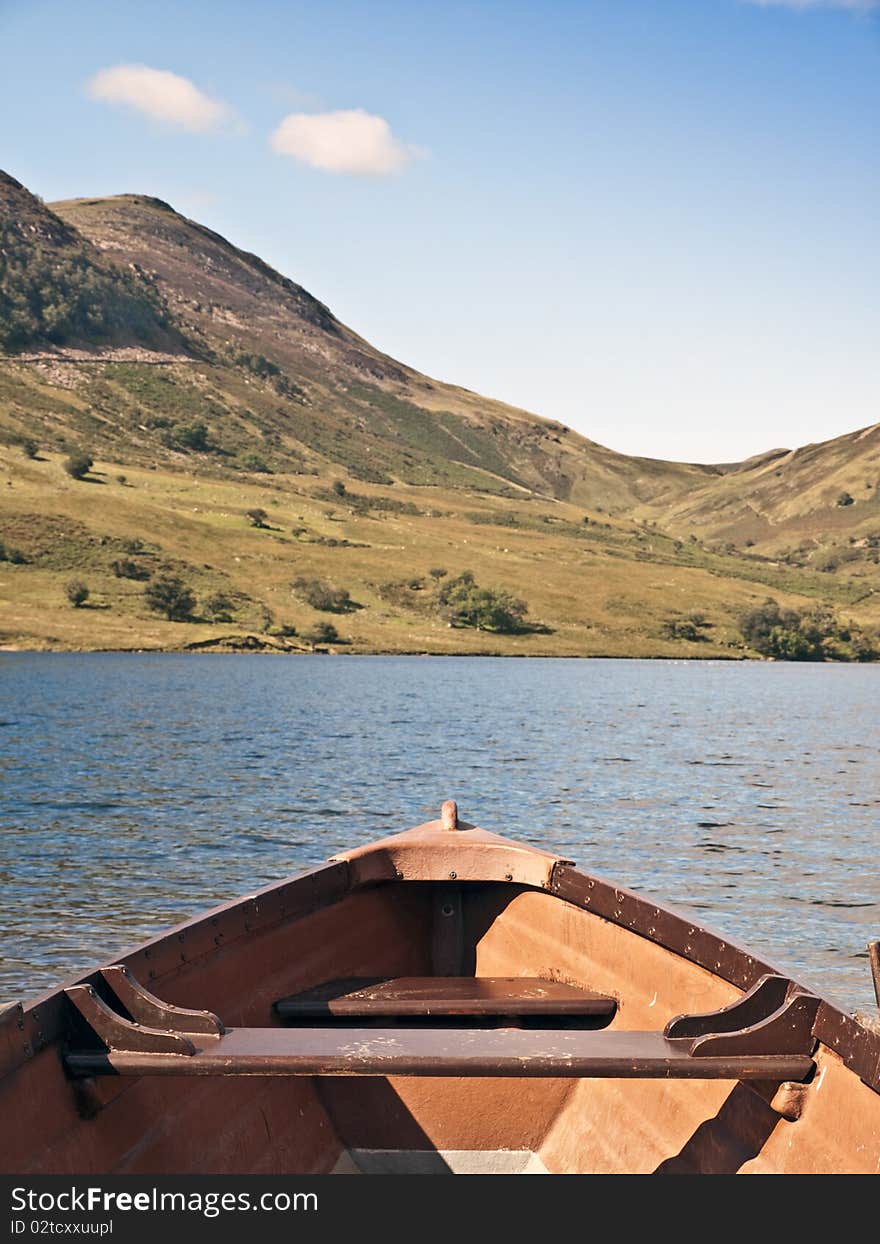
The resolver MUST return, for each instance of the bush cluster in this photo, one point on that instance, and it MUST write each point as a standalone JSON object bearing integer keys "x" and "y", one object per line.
{"x": 804, "y": 635}
{"x": 15, "y": 557}
{"x": 691, "y": 627}
{"x": 189, "y": 437}
{"x": 322, "y": 595}
{"x": 465, "y": 603}
{"x": 168, "y": 594}
{"x": 78, "y": 464}
{"x": 128, "y": 568}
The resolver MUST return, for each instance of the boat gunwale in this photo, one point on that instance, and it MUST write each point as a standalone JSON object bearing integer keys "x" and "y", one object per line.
{"x": 26, "y": 1028}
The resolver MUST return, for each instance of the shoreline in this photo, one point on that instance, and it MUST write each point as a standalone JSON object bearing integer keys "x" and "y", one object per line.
{"x": 271, "y": 651}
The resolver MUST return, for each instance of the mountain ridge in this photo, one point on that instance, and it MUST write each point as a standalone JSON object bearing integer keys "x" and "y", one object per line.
{"x": 214, "y": 381}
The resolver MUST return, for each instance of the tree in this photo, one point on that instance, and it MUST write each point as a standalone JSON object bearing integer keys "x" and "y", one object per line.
{"x": 29, "y": 447}
{"x": 189, "y": 436}
{"x": 322, "y": 633}
{"x": 77, "y": 592}
{"x": 256, "y": 517}
{"x": 168, "y": 594}
{"x": 127, "y": 568}
{"x": 78, "y": 464}
{"x": 9, "y": 554}
{"x": 437, "y": 572}
{"x": 690, "y": 628}
{"x": 218, "y": 607}
{"x": 322, "y": 595}
{"x": 465, "y": 603}
{"x": 338, "y": 488}
{"x": 787, "y": 634}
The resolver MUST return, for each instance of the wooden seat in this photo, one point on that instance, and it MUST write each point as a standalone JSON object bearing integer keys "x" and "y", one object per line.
{"x": 441, "y": 1052}
{"x": 444, "y": 996}
{"x": 765, "y": 1035}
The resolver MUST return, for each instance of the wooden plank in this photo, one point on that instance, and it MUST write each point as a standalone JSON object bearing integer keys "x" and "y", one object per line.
{"x": 464, "y": 996}
{"x": 329, "y": 1051}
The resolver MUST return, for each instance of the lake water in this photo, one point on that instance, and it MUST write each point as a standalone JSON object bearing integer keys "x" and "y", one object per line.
{"x": 136, "y": 790}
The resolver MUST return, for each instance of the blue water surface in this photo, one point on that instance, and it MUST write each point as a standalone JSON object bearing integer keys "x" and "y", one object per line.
{"x": 137, "y": 789}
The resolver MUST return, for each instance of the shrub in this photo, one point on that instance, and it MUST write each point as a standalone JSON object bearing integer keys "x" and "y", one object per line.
{"x": 437, "y": 572}
{"x": 845, "y": 499}
{"x": 218, "y": 607}
{"x": 864, "y": 647}
{"x": 253, "y": 462}
{"x": 77, "y": 592}
{"x": 689, "y": 628}
{"x": 256, "y": 517}
{"x": 465, "y": 603}
{"x": 168, "y": 594}
{"x": 400, "y": 592}
{"x": 126, "y": 568}
{"x": 258, "y": 365}
{"x": 188, "y": 436}
{"x": 338, "y": 488}
{"x": 322, "y": 633}
{"x": 9, "y": 554}
{"x": 78, "y": 464}
{"x": 322, "y": 595}
{"x": 787, "y": 634}
{"x": 29, "y": 447}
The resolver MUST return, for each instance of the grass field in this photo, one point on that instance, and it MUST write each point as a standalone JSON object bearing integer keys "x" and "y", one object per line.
{"x": 595, "y": 587}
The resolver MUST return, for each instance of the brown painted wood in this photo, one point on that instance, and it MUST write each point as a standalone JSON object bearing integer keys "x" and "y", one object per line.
{"x": 766, "y": 996}
{"x": 444, "y": 1052}
{"x": 447, "y": 996}
{"x": 145, "y": 1008}
{"x": 874, "y": 960}
{"x": 660, "y": 924}
{"x": 787, "y": 1031}
{"x": 447, "y": 942}
{"x": 98, "y": 1024}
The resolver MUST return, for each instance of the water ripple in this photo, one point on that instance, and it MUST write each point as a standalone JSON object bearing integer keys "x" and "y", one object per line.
{"x": 139, "y": 789}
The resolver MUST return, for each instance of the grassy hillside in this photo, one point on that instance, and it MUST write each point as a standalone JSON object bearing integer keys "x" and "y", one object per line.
{"x": 597, "y": 587}
{"x": 816, "y": 508}
{"x": 209, "y": 385}
{"x": 292, "y": 382}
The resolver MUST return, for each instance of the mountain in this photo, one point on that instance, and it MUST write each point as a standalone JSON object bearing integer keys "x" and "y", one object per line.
{"x": 207, "y": 387}
{"x": 55, "y": 289}
{"x": 290, "y": 381}
{"x": 816, "y": 506}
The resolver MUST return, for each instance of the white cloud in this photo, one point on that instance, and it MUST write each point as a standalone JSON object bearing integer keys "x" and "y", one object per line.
{"x": 353, "y": 141}
{"x": 853, "y": 6}
{"x": 162, "y": 95}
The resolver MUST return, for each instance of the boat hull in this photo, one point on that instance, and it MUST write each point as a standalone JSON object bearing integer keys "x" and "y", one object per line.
{"x": 432, "y": 905}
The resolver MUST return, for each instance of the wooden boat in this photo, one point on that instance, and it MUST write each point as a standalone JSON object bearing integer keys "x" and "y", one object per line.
{"x": 442, "y": 1000}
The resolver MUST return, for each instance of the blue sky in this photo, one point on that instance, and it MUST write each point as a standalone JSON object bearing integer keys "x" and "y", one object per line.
{"x": 656, "y": 222}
